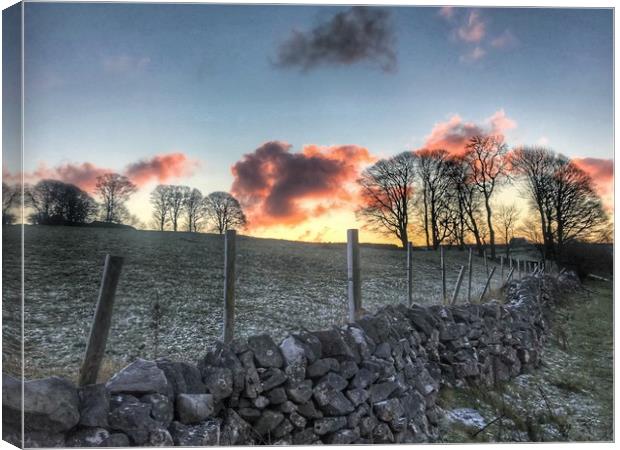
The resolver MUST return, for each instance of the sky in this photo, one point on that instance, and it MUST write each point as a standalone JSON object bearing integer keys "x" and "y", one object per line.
{"x": 285, "y": 105}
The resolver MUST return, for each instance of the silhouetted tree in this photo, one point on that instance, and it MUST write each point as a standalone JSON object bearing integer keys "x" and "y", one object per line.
{"x": 10, "y": 198}
{"x": 486, "y": 157}
{"x": 433, "y": 170}
{"x": 56, "y": 202}
{"x": 224, "y": 212}
{"x": 194, "y": 208}
{"x": 507, "y": 216}
{"x": 160, "y": 199}
{"x": 177, "y": 198}
{"x": 386, "y": 189}
{"x": 114, "y": 191}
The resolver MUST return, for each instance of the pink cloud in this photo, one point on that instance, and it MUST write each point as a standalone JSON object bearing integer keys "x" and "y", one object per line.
{"x": 505, "y": 40}
{"x": 602, "y": 173}
{"x": 159, "y": 168}
{"x": 280, "y": 187}
{"x": 454, "y": 134}
{"x": 474, "y": 28}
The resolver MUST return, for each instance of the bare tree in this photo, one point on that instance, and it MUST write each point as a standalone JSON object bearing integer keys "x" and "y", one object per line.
{"x": 486, "y": 157}
{"x": 194, "y": 210}
{"x": 160, "y": 199}
{"x": 114, "y": 190}
{"x": 224, "y": 212}
{"x": 433, "y": 170}
{"x": 578, "y": 208}
{"x": 55, "y": 202}
{"x": 507, "y": 217}
{"x": 469, "y": 201}
{"x": 386, "y": 189}
{"x": 10, "y": 198}
{"x": 178, "y": 195}
{"x": 535, "y": 166}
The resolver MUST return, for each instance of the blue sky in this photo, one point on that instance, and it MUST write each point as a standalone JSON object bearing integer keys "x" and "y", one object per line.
{"x": 114, "y": 83}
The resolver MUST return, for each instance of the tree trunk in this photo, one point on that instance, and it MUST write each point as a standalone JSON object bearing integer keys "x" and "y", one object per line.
{"x": 490, "y": 224}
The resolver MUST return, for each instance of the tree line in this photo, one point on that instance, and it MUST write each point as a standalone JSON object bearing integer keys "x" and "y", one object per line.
{"x": 53, "y": 202}
{"x": 452, "y": 197}
{"x": 174, "y": 205}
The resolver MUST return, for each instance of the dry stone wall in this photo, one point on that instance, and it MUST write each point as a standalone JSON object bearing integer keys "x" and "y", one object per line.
{"x": 372, "y": 381}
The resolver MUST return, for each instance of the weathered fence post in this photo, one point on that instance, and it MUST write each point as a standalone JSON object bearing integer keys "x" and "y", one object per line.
{"x": 519, "y": 267}
{"x": 102, "y": 320}
{"x": 486, "y": 285}
{"x": 486, "y": 261}
{"x": 353, "y": 274}
{"x": 443, "y": 275}
{"x": 229, "y": 285}
{"x": 510, "y": 274}
{"x": 458, "y": 285}
{"x": 469, "y": 269}
{"x": 410, "y": 273}
{"x": 501, "y": 265}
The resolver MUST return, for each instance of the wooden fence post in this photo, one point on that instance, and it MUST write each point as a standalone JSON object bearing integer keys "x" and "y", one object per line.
{"x": 486, "y": 285}
{"x": 501, "y": 265}
{"x": 102, "y": 320}
{"x": 410, "y": 273}
{"x": 353, "y": 275}
{"x": 486, "y": 261}
{"x": 519, "y": 267}
{"x": 469, "y": 269}
{"x": 229, "y": 285}
{"x": 443, "y": 275}
{"x": 458, "y": 285}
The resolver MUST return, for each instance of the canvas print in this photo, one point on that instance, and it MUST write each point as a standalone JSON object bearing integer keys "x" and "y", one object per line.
{"x": 228, "y": 224}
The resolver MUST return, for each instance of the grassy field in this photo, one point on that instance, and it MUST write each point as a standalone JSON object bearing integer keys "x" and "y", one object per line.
{"x": 569, "y": 399}
{"x": 281, "y": 285}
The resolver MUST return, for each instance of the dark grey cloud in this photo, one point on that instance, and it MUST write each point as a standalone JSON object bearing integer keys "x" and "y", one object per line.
{"x": 357, "y": 34}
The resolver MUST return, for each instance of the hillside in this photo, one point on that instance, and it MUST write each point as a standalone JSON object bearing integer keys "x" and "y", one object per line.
{"x": 280, "y": 285}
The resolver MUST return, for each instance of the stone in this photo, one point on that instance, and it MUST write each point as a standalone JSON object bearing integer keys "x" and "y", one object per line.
{"x": 293, "y": 350}
{"x": 332, "y": 402}
{"x": 367, "y": 425}
{"x": 39, "y": 438}
{"x": 363, "y": 378}
{"x": 87, "y": 437}
{"x": 116, "y": 440}
{"x": 268, "y": 421}
{"x": 283, "y": 429}
{"x": 305, "y": 437}
{"x": 382, "y": 434}
{"x": 321, "y": 366}
{"x": 266, "y": 352}
{"x": 261, "y": 402}
{"x": 183, "y": 377}
{"x": 357, "y": 396}
{"x": 49, "y": 404}
{"x": 313, "y": 346}
{"x": 236, "y": 431}
{"x": 295, "y": 373}
{"x": 383, "y": 351}
{"x": 348, "y": 369}
{"x": 218, "y": 381}
{"x": 333, "y": 345}
{"x": 332, "y": 381}
{"x": 288, "y": 407}
{"x": 309, "y": 410}
{"x": 160, "y": 437}
{"x": 94, "y": 405}
{"x": 194, "y": 408}
{"x": 300, "y": 393}
{"x": 343, "y": 437}
{"x": 276, "y": 396}
{"x": 249, "y": 414}
{"x": 133, "y": 419}
{"x": 272, "y": 378}
{"x": 329, "y": 425}
{"x": 203, "y": 434}
{"x": 388, "y": 410}
{"x": 354, "y": 418}
{"x": 298, "y": 420}
{"x": 139, "y": 377}
{"x": 381, "y": 391}
{"x": 161, "y": 408}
